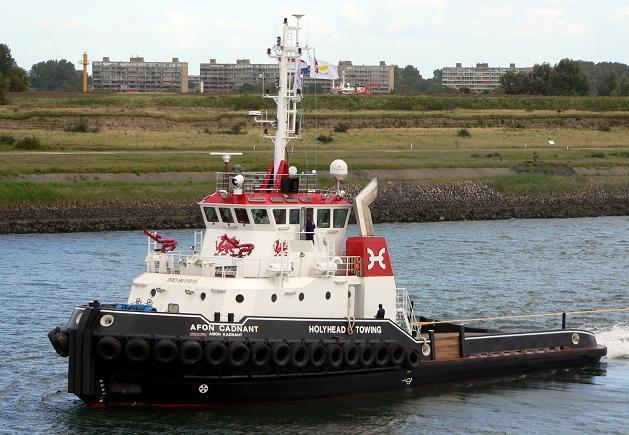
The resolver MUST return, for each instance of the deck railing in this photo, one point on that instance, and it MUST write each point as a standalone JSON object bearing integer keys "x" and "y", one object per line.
{"x": 405, "y": 310}
{"x": 254, "y": 182}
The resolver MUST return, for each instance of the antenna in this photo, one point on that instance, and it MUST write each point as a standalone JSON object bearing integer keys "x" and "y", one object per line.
{"x": 226, "y": 157}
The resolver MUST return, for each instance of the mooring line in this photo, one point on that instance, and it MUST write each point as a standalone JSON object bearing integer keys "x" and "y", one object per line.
{"x": 521, "y": 316}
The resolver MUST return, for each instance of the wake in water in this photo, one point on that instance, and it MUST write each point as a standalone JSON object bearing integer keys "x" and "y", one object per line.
{"x": 616, "y": 339}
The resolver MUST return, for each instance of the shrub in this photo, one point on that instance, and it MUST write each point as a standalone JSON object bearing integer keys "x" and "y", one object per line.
{"x": 236, "y": 129}
{"x": 341, "y": 128}
{"x": 464, "y": 132}
{"x": 324, "y": 139}
{"x": 6, "y": 139}
{"x": 28, "y": 143}
{"x": 598, "y": 155}
{"x": 81, "y": 127}
{"x": 475, "y": 155}
{"x": 604, "y": 128}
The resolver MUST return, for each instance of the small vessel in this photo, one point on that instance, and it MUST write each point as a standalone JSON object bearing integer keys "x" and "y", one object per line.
{"x": 273, "y": 302}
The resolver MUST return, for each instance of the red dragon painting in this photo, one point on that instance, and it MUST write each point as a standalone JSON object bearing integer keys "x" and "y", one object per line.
{"x": 231, "y": 246}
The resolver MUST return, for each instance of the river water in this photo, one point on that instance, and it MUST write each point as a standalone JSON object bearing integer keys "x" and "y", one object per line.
{"x": 453, "y": 269}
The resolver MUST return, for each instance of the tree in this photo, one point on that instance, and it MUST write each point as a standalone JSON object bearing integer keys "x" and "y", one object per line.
{"x": 609, "y": 85}
{"x": 623, "y": 90}
{"x": 56, "y": 75}
{"x": 540, "y": 79}
{"x": 408, "y": 79}
{"x": 12, "y": 77}
{"x": 566, "y": 78}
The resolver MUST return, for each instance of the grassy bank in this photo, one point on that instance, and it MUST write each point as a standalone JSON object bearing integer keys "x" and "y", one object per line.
{"x": 325, "y": 102}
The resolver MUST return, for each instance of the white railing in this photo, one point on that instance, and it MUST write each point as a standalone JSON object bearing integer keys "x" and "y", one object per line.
{"x": 254, "y": 182}
{"x": 231, "y": 267}
{"x": 405, "y": 311}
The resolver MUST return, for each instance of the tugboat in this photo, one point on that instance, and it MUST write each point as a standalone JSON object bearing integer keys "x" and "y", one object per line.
{"x": 272, "y": 302}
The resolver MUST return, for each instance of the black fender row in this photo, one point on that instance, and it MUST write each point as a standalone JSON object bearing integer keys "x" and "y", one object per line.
{"x": 238, "y": 354}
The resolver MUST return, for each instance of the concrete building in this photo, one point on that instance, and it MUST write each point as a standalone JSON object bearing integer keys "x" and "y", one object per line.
{"x": 195, "y": 85}
{"x": 480, "y": 78}
{"x": 380, "y": 79}
{"x": 137, "y": 75}
{"x": 227, "y": 77}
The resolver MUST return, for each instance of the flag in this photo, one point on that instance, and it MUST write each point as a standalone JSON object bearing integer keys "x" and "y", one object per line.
{"x": 323, "y": 70}
{"x": 302, "y": 66}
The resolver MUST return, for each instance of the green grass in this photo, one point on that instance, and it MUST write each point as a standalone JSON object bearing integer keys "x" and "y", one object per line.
{"x": 527, "y": 183}
{"x": 329, "y": 102}
{"x": 21, "y": 193}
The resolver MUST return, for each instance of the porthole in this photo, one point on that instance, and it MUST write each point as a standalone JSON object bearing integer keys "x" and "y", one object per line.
{"x": 328, "y": 295}
{"x": 240, "y": 298}
{"x": 273, "y": 297}
{"x": 153, "y": 292}
{"x": 301, "y": 296}
{"x": 203, "y": 296}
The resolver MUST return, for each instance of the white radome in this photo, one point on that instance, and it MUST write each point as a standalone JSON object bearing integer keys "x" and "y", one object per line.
{"x": 292, "y": 170}
{"x": 338, "y": 170}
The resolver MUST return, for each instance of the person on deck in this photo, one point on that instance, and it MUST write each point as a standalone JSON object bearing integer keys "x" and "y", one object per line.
{"x": 310, "y": 227}
{"x": 380, "y": 313}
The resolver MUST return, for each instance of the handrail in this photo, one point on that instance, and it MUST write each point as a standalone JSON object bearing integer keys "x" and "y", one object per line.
{"x": 522, "y": 316}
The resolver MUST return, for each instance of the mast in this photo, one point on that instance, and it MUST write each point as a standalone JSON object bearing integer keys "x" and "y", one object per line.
{"x": 288, "y": 53}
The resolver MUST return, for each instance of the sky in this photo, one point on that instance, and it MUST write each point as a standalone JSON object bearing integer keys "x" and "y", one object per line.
{"x": 429, "y": 34}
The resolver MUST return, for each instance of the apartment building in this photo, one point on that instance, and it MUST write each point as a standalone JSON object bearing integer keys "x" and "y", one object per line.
{"x": 380, "y": 79}
{"x": 480, "y": 78}
{"x": 137, "y": 75}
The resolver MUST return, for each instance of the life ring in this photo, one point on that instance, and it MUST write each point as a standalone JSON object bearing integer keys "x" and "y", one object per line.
{"x": 59, "y": 341}
{"x": 108, "y": 348}
{"x": 412, "y": 359}
{"x": 215, "y": 353}
{"x": 317, "y": 354}
{"x": 137, "y": 350}
{"x": 190, "y": 352}
{"x": 397, "y": 353}
{"x": 366, "y": 355}
{"x": 351, "y": 355}
{"x": 334, "y": 354}
{"x": 280, "y": 354}
{"x": 299, "y": 355}
{"x": 260, "y": 354}
{"x": 381, "y": 352}
{"x": 165, "y": 351}
{"x": 237, "y": 354}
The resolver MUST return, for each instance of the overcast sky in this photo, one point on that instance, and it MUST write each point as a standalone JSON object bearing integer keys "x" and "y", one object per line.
{"x": 426, "y": 33}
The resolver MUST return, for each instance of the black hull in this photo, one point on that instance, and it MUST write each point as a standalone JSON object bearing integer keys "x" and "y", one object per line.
{"x": 100, "y": 382}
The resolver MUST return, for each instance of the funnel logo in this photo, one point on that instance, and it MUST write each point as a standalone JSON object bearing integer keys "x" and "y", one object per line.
{"x": 373, "y": 259}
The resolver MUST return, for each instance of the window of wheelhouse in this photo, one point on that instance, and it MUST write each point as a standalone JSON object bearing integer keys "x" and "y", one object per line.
{"x": 260, "y": 216}
{"x": 293, "y": 216}
{"x": 339, "y": 218}
{"x": 226, "y": 215}
{"x": 210, "y": 215}
{"x": 279, "y": 214}
{"x": 241, "y": 215}
{"x": 323, "y": 218}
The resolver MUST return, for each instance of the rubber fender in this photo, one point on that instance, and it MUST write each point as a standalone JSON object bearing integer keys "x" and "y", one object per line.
{"x": 165, "y": 351}
{"x": 260, "y": 354}
{"x": 280, "y": 354}
{"x": 412, "y": 359}
{"x": 190, "y": 352}
{"x": 137, "y": 350}
{"x": 59, "y": 341}
{"x": 237, "y": 354}
{"x": 334, "y": 354}
{"x": 367, "y": 355}
{"x": 317, "y": 354}
{"x": 381, "y": 352}
{"x": 215, "y": 353}
{"x": 299, "y": 355}
{"x": 351, "y": 355}
{"x": 397, "y": 353}
{"x": 108, "y": 348}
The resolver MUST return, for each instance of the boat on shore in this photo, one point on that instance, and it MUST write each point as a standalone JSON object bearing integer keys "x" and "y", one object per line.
{"x": 273, "y": 302}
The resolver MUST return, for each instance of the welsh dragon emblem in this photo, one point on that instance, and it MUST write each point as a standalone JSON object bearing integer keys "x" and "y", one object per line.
{"x": 231, "y": 246}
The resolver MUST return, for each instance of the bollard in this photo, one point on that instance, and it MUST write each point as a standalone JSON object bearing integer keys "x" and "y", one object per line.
{"x": 563, "y": 320}
{"x": 431, "y": 337}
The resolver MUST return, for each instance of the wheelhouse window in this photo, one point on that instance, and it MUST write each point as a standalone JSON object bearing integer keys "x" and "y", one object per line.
{"x": 323, "y": 218}
{"x": 226, "y": 215}
{"x": 241, "y": 215}
{"x": 340, "y": 217}
{"x": 260, "y": 216}
{"x": 279, "y": 214}
{"x": 210, "y": 214}
{"x": 293, "y": 216}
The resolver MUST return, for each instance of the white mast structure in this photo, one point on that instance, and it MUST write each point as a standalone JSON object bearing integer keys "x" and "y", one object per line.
{"x": 288, "y": 53}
